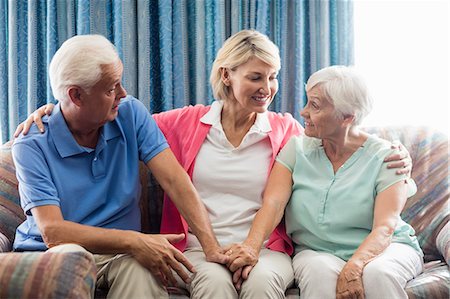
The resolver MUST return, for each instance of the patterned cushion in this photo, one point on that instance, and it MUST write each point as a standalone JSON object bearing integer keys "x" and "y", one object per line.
{"x": 67, "y": 275}
{"x": 434, "y": 282}
{"x": 5, "y": 243}
{"x": 11, "y": 213}
{"x": 443, "y": 242}
{"x": 427, "y": 211}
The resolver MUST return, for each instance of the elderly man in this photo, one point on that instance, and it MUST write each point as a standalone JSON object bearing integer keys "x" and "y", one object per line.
{"x": 79, "y": 181}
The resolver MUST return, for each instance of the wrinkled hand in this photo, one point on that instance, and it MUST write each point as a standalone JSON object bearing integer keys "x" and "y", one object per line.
{"x": 155, "y": 253}
{"x": 35, "y": 117}
{"x": 401, "y": 160}
{"x": 217, "y": 255}
{"x": 349, "y": 283}
{"x": 243, "y": 258}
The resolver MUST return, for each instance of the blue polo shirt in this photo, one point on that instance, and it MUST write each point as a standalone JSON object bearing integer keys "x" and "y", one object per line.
{"x": 97, "y": 187}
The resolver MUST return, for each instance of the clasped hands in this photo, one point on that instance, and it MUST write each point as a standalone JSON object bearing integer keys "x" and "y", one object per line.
{"x": 242, "y": 259}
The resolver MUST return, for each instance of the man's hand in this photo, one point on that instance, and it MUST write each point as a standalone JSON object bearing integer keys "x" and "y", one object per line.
{"x": 349, "y": 283}
{"x": 160, "y": 257}
{"x": 216, "y": 255}
{"x": 401, "y": 160}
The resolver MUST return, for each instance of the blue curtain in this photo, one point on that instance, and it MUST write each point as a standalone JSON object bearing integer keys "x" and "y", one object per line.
{"x": 167, "y": 46}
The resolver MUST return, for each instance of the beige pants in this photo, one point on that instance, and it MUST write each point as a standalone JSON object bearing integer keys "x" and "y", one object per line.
{"x": 385, "y": 277}
{"x": 270, "y": 277}
{"x": 121, "y": 274}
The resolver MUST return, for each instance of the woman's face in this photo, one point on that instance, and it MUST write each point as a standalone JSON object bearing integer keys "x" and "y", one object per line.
{"x": 320, "y": 116}
{"x": 253, "y": 84}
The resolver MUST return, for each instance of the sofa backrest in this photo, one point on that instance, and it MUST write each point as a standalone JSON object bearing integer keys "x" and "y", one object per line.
{"x": 427, "y": 211}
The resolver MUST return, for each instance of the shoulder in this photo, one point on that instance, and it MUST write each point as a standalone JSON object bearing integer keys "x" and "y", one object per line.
{"x": 306, "y": 145}
{"x": 377, "y": 147}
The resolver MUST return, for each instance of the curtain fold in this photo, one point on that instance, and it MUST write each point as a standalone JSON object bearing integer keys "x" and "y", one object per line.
{"x": 167, "y": 46}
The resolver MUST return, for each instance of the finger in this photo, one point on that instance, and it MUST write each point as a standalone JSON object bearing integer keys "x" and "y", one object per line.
{"x": 237, "y": 275}
{"x": 227, "y": 248}
{"x": 396, "y": 144}
{"x": 49, "y": 108}
{"x": 18, "y": 130}
{"x": 173, "y": 238}
{"x": 397, "y": 164}
{"x": 180, "y": 271}
{"x": 246, "y": 272}
{"x": 37, "y": 119}
{"x": 236, "y": 264}
{"x": 183, "y": 260}
{"x": 219, "y": 258}
{"x": 167, "y": 272}
{"x": 238, "y": 285}
{"x": 403, "y": 171}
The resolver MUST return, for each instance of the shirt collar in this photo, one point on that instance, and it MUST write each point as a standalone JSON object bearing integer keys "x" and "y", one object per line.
{"x": 213, "y": 117}
{"x": 63, "y": 139}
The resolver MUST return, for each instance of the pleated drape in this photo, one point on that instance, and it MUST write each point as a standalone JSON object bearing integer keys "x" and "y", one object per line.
{"x": 167, "y": 46}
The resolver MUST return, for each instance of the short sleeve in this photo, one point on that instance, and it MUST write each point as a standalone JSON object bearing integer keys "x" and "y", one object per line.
{"x": 35, "y": 181}
{"x": 150, "y": 139}
{"x": 388, "y": 177}
{"x": 287, "y": 155}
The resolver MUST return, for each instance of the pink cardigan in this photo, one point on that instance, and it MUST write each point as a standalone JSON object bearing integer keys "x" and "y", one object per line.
{"x": 185, "y": 135}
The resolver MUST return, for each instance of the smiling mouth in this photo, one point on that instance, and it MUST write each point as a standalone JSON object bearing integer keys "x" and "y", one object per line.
{"x": 261, "y": 99}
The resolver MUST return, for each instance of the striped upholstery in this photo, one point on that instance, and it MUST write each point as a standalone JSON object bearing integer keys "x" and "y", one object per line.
{"x": 47, "y": 275}
{"x": 11, "y": 213}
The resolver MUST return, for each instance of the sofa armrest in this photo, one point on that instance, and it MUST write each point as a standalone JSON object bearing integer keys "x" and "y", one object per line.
{"x": 47, "y": 275}
{"x": 443, "y": 242}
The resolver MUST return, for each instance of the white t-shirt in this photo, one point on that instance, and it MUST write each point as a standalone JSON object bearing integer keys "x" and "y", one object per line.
{"x": 231, "y": 180}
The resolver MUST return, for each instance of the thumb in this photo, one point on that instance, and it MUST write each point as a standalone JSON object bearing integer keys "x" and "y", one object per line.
{"x": 173, "y": 238}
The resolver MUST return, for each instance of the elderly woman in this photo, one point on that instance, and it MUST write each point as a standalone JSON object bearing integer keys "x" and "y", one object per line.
{"x": 343, "y": 206}
{"x": 228, "y": 149}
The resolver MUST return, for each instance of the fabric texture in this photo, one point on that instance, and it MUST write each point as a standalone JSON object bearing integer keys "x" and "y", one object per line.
{"x": 104, "y": 188}
{"x": 11, "y": 214}
{"x": 167, "y": 46}
{"x": 47, "y": 275}
{"x": 185, "y": 144}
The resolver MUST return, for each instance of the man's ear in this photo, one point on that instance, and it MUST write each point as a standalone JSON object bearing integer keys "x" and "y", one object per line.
{"x": 225, "y": 76}
{"x": 74, "y": 94}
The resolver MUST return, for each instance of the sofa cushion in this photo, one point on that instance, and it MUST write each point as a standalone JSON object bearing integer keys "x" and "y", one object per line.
{"x": 11, "y": 213}
{"x": 432, "y": 283}
{"x": 67, "y": 275}
{"x": 443, "y": 242}
{"x": 5, "y": 243}
{"x": 427, "y": 211}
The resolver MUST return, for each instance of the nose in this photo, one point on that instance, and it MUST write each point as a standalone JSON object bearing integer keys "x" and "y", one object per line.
{"x": 265, "y": 88}
{"x": 303, "y": 112}
{"x": 121, "y": 92}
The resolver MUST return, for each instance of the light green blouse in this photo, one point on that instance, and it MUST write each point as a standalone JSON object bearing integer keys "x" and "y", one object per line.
{"x": 334, "y": 212}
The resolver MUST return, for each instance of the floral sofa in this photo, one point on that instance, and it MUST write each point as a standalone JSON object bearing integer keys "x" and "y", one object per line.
{"x": 72, "y": 275}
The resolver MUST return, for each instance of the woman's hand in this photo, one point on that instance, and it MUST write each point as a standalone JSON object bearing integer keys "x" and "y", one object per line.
{"x": 349, "y": 283}
{"x": 35, "y": 117}
{"x": 401, "y": 160}
{"x": 243, "y": 258}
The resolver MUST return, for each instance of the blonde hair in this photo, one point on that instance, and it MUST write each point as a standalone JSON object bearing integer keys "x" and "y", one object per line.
{"x": 237, "y": 50}
{"x": 345, "y": 89}
{"x": 79, "y": 62}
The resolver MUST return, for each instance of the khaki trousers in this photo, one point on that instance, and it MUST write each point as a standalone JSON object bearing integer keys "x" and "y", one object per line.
{"x": 121, "y": 274}
{"x": 270, "y": 277}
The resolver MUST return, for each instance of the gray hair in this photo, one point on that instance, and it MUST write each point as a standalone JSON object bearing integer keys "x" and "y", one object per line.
{"x": 237, "y": 50}
{"x": 345, "y": 89}
{"x": 79, "y": 62}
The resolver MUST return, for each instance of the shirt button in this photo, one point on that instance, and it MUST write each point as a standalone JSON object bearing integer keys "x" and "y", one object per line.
{"x": 95, "y": 159}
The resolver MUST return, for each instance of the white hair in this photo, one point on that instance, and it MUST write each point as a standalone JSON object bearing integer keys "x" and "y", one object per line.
{"x": 79, "y": 62}
{"x": 345, "y": 89}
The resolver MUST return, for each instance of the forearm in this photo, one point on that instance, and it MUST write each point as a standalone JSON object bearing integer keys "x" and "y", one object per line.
{"x": 94, "y": 239}
{"x": 266, "y": 220}
{"x": 193, "y": 210}
{"x": 375, "y": 243}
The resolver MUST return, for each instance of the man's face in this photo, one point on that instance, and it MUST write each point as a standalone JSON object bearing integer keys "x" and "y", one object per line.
{"x": 101, "y": 104}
